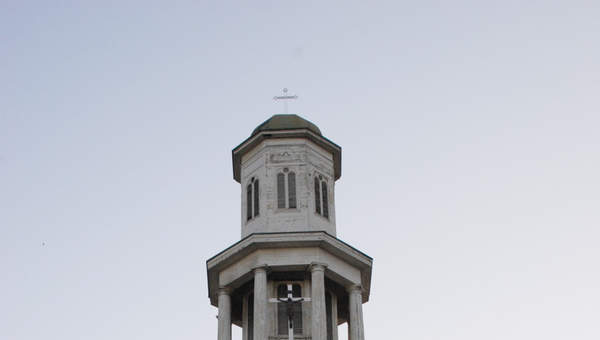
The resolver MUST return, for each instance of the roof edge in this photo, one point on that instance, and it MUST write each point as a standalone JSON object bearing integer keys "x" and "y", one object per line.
{"x": 252, "y": 141}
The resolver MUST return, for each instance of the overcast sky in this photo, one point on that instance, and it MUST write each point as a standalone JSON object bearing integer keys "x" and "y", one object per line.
{"x": 470, "y": 136}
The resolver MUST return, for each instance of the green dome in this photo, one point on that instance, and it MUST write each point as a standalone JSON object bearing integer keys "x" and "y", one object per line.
{"x": 286, "y": 122}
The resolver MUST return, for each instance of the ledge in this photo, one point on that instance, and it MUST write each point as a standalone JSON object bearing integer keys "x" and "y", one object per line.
{"x": 320, "y": 239}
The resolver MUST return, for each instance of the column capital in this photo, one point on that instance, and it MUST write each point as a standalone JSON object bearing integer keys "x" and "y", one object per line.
{"x": 317, "y": 266}
{"x": 260, "y": 268}
{"x": 224, "y": 291}
{"x": 354, "y": 288}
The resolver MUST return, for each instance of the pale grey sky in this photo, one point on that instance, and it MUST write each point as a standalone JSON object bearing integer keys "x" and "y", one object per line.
{"x": 470, "y": 159}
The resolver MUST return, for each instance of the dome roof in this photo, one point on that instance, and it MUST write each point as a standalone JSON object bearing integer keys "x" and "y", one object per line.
{"x": 286, "y": 122}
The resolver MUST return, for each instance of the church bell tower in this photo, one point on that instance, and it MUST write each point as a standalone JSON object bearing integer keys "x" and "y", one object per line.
{"x": 289, "y": 277}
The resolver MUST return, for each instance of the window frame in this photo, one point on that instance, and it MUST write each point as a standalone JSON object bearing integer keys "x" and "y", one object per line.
{"x": 287, "y": 189}
{"x": 252, "y": 199}
{"x": 321, "y": 193}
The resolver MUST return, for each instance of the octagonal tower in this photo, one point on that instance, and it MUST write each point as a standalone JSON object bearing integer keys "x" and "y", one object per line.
{"x": 287, "y": 170}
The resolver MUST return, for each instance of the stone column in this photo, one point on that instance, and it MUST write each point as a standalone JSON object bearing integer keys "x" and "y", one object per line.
{"x": 224, "y": 332}
{"x": 334, "y": 318}
{"x": 319, "y": 318}
{"x": 355, "y": 323}
{"x": 260, "y": 303}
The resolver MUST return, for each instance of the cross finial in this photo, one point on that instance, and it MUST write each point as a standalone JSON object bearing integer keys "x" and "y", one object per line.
{"x": 285, "y": 98}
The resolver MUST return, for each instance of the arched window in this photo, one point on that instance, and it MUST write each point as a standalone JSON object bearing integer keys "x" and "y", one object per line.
{"x": 324, "y": 200}
{"x": 317, "y": 196}
{"x": 282, "y": 312}
{"x": 249, "y": 202}
{"x": 280, "y": 190}
{"x": 291, "y": 190}
{"x": 321, "y": 197}
{"x": 255, "y": 198}
{"x": 252, "y": 203}
{"x": 286, "y": 189}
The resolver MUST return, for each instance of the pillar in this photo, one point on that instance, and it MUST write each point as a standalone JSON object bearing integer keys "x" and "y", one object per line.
{"x": 319, "y": 318}
{"x": 260, "y": 303}
{"x": 334, "y": 318}
{"x": 355, "y": 323}
{"x": 224, "y": 332}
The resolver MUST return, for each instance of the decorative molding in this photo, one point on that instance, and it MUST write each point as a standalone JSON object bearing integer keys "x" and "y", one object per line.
{"x": 224, "y": 291}
{"x": 316, "y": 266}
{"x": 354, "y": 288}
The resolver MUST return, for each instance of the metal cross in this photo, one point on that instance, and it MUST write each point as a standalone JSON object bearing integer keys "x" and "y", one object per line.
{"x": 285, "y": 98}
{"x": 290, "y": 301}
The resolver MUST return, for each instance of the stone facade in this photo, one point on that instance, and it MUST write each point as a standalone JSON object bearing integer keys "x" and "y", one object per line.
{"x": 306, "y": 160}
{"x": 288, "y": 241}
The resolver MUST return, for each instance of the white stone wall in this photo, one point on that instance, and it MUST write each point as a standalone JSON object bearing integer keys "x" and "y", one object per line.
{"x": 306, "y": 160}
